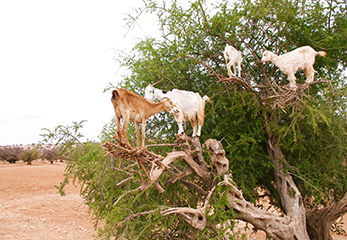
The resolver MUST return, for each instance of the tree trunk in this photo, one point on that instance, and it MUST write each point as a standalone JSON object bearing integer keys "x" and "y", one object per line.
{"x": 319, "y": 221}
{"x": 290, "y": 195}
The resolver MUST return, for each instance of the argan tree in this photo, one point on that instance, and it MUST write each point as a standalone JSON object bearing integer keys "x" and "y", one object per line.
{"x": 11, "y": 154}
{"x": 51, "y": 155}
{"x": 30, "y": 156}
{"x": 261, "y": 142}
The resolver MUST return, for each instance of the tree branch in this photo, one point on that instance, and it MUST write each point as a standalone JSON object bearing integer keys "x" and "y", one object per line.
{"x": 275, "y": 226}
{"x": 320, "y": 221}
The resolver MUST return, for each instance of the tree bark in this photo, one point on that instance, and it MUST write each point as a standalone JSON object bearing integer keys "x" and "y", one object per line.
{"x": 319, "y": 221}
{"x": 290, "y": 195}
{"x": 275, "y": 226}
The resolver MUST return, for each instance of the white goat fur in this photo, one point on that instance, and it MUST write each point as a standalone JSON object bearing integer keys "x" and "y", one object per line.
{"x": 233, "y": 57}
{"x": 132, "y": 107}
{"x": 190, "y": 105}
{"x": 289, "y": 63}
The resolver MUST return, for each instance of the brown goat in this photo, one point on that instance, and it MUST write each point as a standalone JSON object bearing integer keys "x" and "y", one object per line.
{"x": 132, "y": 107}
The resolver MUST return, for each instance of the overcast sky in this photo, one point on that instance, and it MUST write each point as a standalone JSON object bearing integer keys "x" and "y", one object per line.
{"x": 56, "y": 57}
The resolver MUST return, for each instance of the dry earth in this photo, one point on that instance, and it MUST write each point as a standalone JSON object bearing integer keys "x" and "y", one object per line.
{"x": 32, "y": 209}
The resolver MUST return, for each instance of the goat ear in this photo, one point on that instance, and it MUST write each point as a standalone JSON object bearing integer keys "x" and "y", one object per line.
{"x": 169, "y": 103}
{"x": 115, "y": 94}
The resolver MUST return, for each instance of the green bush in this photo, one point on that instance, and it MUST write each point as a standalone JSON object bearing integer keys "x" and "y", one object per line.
{"x": 30, "y": 156}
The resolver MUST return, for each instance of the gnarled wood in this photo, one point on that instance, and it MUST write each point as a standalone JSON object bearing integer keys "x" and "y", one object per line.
{"x": 319, "y": 221}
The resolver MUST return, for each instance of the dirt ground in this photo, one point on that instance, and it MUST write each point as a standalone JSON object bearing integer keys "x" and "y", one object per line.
{"x": 32, "y": 209}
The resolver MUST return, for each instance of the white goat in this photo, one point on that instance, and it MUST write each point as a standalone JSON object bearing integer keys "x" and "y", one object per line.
{"x": 190, "y": 105}
{"x": 233, "y": 57}
{"x": 132, "y": 107}
{"x": 289, "y": 63}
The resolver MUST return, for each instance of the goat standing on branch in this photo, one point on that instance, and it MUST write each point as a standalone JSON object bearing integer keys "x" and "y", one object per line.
{"x": 190, "y": 105}
{"x": 289, "y": 63}
{"x": 233, "y": 57}
{"x": 132, "y": 107}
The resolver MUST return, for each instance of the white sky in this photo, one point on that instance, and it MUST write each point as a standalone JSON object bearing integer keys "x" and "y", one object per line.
{"x": 56, "y": 57}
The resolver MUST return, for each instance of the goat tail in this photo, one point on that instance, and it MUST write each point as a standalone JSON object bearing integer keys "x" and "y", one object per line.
{"x": 321, "y": 53}
{"x": 206, "y": 98}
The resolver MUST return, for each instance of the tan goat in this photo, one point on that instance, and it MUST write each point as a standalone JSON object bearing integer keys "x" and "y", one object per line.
{"x": 132, "y": 107}
{"x": 300, "y": 58}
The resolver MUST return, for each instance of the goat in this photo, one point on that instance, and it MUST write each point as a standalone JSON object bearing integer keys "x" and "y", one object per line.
{"x": 289, "y": 63}
{"x": 190, "y": 105}
{"x": 233, "y": 57}
{"x": 132, "y": 107}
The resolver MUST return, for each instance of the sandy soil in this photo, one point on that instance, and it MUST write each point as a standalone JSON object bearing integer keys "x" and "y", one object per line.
{"x": 32, "y": 209}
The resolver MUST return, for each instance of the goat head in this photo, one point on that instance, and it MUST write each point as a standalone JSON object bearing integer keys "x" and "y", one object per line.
{"x": 170, "y": 106}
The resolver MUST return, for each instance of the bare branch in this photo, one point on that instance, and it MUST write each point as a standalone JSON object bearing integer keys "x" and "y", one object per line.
{"x": 132, "y": 216}
{"x": 195, "y": 186}
{"x": 274, "y": 225}
{"x": 124, "y": 181}
{"x": 319, "y": 221}
{"x": 195, "y": 217}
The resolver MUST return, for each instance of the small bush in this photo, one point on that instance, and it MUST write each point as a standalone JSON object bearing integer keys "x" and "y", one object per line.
{"x": 11, "y": 154}
{"x": 51, "y": 155}
{"x": 30, "y": 156}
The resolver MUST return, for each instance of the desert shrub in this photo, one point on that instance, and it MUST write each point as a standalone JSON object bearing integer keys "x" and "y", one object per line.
{"x": 11, "y": 154}
{"x": 51, "y": 155}
{"x": 30, "y": 156}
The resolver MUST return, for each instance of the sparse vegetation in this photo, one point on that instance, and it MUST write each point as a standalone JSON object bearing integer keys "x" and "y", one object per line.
{"x": 51, "y": 155}
{"x": 11, "y": 154}
{"x": 30, "y": 156}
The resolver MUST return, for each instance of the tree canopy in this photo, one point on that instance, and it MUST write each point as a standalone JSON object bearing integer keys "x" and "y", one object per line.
{"x": 286, "y": 146}
{"x": 30, "y": 156}
{"x": 311, "y": 129}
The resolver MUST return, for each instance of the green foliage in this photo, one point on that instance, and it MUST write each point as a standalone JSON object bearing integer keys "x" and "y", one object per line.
{"x": 30, "y": 156}
{"x": 311, "y": 133}
{"x": 67, "y": 136}
{"x": 198, "y": 34}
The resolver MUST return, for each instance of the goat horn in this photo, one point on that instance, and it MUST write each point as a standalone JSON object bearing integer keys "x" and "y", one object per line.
{"x": 156, "y": 82}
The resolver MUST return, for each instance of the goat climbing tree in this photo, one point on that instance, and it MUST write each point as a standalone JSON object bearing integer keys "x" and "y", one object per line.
{"x": 277, "y": 140}
{"x": 214, "y": 174}
{"x": 260, "y": 141}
